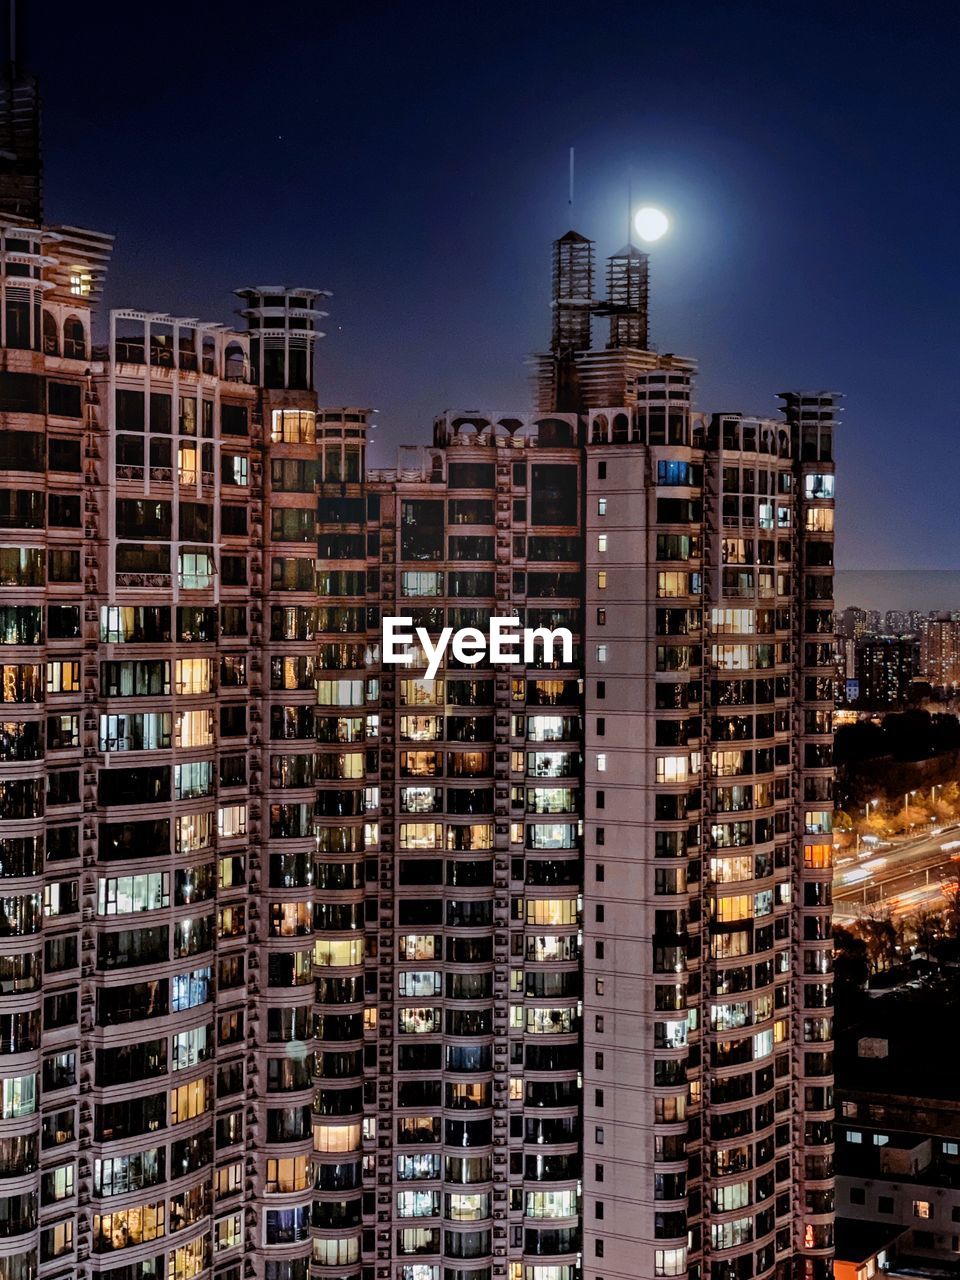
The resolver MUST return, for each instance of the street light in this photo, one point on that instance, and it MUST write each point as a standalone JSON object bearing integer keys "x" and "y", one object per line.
{"x": 906, "y": 802}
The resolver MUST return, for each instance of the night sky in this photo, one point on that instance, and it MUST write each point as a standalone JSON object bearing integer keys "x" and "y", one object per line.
{"x": 412, "y": 158}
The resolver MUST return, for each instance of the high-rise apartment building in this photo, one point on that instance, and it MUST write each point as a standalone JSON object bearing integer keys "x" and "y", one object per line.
{"x": 940, "y": 649}
{"x": 886, "y": 666}
{"x": 314, "y": 969}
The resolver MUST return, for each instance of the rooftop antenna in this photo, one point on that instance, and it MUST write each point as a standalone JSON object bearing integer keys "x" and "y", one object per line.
{"x": 570, "y": 200}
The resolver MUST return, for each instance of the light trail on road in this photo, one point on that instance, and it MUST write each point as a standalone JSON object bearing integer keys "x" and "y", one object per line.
{"x": 899, "y": 881}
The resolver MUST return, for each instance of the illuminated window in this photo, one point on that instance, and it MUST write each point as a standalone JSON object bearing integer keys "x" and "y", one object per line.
{"x": 340, "y": 693}
{"x": 232, "y": 821}
{"x": 194, "y": 831}
{"x": 189, "y": 1260}
{"x": 551, "y": 1204}
{"x": 419, "y": 1204}
{"x": 193, "y": 675}
{"x": 193, "y": 728}
{"x": 187, "y": 463}
{"x": 601, "y": 506}
{"x": 228, "y": 1233}
{"x": 670, "y": 1262}
{"x": 552, "y": 911}
{"x": 336, "y": 1138}
{"x": 195, "y": 569}
{"x": 762, "y": 1044}
{"x": 63, "y": 677}
{"x": 921, "y": 1208}
{"x": 418, "y": 1020}
{"x": 818, "y": 821}
{"x": 289, "y": 1174}
{"x": 81, "y": 282}
{"x": 672, "y": 768}
{"x": 601, "y": 653}
{"x": 672, "y": 583}
{"x": 418, "y": 982}
{"x": 58, "y": 1183}
{"x": 421, "y": 693}
{"x": 293, "y": 426}
{"x": 419, "y": 946}
{"x": 18, "y": 1096}
{"x": 189, "y": 1100}
{"x": 189, "y": 991}
{"x": 126, "y": 1227}
{"x": 601, "y": 579}
{"x": 601, "y": 542}
{"x": 735, "y": 622}
{"x": 421, "y": 582}
{"x": 602, "y": 762}
{"x": 122, "y": 895}
{"x": 234, "y": 469}
{"x": 190, "y": 1047}
{"x": 818, "y": 486}
{"x": 421, "y": 835}
{"x": 819, "y": 519}
{"x": 466, "y": 1206}
{"x": 336, "y": 1253}
{"x": 739, "y": 907}
{"x": 731, "y": 657}
{"x": 342, "y": 953}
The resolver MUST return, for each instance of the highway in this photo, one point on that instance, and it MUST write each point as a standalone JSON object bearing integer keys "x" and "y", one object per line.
{"x": 901, "y": 879}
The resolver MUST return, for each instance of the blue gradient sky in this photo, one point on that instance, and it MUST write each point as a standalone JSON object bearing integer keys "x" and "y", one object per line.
{"x": 412, "y": 157}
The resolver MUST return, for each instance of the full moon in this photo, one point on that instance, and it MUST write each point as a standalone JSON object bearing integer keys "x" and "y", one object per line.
{"x": 650, "y": 223}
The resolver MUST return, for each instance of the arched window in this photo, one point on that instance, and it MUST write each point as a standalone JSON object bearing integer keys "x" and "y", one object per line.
{"x": 234, "y": 363}
{"x": 51, "y": 335}
{"x": 74, "y": 339}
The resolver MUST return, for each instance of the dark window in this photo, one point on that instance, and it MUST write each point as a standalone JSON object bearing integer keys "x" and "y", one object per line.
{"x": 471, "y": 475}
{"x": 233, "y": 419}
{"x": 23, "y": 451}
{"x": 64, "y": 399}
{"x": 233, "y": 571}
{"x": 196, "y": 521}
{"x": 65, "y": 510}
{"x": 129, "y": 451}
{"x": 233, "y": 720}
{"x": 160, "y": 414}
{"x": 554, "y": 494}
{"x": 421, "y": 530}
{"x": 21, "y": 509}
{"x": 21, "y": 393}
{"x": 134, "y": 786}
{"x": 233, "y": 519}
{"x": 63, "y": 566}
{"x": 63, "y": 621}
{"x": 143, "y": 518}
{"x": 130, "y": 410}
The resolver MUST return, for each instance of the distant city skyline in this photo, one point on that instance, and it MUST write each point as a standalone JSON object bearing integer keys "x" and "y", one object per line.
{"x": 907, "y": 589}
